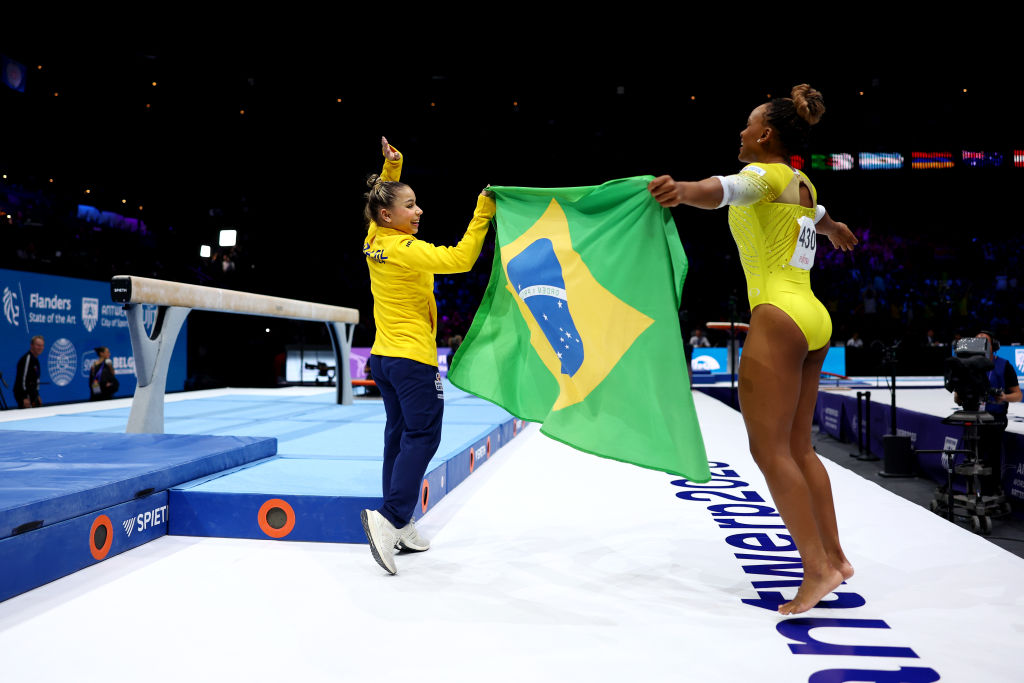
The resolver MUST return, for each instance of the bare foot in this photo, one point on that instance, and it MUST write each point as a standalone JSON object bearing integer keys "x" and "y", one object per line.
{"x": 813, "y": 589}
{"x": 845, "y": 568}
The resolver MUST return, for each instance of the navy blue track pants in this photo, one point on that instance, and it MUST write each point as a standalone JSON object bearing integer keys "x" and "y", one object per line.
{"x": 414, "y": 403}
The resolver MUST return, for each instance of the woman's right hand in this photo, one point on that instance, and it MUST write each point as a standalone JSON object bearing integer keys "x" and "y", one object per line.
{"x": 390, "y": 152}
{"x": 665, "y": 191}
{"x": 486, "y": 192}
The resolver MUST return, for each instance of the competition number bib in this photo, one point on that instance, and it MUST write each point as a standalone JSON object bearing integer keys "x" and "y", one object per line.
{"x": 806, "y": 243}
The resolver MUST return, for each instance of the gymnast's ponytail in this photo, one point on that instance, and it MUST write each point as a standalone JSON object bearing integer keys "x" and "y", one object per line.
{"x": 381, "y": 195}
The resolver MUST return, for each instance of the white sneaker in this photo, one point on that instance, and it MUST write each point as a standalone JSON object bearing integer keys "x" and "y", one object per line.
{"x": 410, "y": 539}
{"x": 383, "y": 537}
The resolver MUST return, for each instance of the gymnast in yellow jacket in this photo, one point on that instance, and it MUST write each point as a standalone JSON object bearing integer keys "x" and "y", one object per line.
{"x": 403, "y": 360}
{"x": 775, "y": 219}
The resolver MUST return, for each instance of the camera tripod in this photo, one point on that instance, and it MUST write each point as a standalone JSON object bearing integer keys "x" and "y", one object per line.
{"x": 327, "y": 372}
{"x": 977, "y": 508}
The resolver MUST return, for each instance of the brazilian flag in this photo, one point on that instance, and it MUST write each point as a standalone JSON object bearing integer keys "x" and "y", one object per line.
{"x": 579, "y": 326}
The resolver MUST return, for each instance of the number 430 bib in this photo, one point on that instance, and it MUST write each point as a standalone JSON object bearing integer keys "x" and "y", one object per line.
{"x": 806, "y": 243}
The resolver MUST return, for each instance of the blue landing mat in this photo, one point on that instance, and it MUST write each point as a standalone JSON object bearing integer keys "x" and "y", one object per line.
{"x": 327, "y": 465}
{"x": 319, "y": 498}
{"x": 52, "y": 476}
{"x": 73, "y": 490}
{"x": 36, "y": 557}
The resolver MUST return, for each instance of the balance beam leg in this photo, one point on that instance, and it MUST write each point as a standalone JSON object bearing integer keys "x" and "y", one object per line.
{"x": 341, "y": 340}
{"x": 152, "y": 359}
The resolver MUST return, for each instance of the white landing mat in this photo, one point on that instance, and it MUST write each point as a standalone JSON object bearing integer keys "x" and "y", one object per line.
{"x": 546, "y": 565}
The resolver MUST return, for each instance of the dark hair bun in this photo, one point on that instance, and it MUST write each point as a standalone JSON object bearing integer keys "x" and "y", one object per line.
{"x": 809, "y": 103}
{"x": 373, "y": 180}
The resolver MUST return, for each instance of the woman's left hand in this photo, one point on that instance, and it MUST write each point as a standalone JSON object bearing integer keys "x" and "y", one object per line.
{"x": 842, "y": 237}
{"x": 390, "y": 152}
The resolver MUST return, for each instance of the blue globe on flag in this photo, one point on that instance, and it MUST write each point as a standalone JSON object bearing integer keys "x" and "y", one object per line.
{"x": 537, "y": 277}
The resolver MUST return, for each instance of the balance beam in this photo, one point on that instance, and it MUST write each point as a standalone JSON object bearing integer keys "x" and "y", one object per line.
{"x": 174, "y": 300}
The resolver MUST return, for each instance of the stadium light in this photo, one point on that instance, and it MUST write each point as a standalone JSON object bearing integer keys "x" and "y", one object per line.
{"x": 228, "y": 238}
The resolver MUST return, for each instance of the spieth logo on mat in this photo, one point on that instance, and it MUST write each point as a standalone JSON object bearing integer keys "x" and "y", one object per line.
{"x": 12, "y": 310}
{"x": 145, "y": 520}
{"x": 90, "y": 312}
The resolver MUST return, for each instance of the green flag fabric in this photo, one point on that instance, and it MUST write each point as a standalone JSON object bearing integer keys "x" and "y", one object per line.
{"x": 579, "y": 327}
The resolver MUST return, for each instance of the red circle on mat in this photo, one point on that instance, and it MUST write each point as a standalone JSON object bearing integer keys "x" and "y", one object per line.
{"x": 101, "y": 521}
{"x": 289, "y": 518}
{"x": 515, "y": 427}
{"x": 488, "y": 447}
{"x": 425, "y": 498}
{"x": 472, "y": 460}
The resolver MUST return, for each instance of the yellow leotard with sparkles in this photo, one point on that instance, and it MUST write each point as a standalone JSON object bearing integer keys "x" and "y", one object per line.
{"x": 766, "y": 234}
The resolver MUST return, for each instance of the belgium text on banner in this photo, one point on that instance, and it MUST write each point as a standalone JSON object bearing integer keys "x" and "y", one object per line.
{"x": 579, "y": 326}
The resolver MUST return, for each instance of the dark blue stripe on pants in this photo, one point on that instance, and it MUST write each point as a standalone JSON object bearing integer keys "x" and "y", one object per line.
{"x": 414, "y": 403}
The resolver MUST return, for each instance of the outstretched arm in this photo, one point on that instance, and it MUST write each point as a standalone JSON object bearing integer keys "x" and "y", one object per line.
{"x": 392, "y": 161}
{"x": 703, "y": 194}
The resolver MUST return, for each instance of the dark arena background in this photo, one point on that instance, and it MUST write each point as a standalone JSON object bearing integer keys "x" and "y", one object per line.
{"x": 238, "y": 160}
{"x": 276, "y": 145}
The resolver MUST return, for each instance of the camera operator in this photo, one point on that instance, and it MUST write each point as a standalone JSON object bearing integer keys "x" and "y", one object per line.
{"x": 1004, "y": 389}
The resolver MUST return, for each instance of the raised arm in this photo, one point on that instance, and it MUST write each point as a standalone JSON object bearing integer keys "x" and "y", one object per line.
{"x": 423, "y": 256}
{"x": 392, "y": 162}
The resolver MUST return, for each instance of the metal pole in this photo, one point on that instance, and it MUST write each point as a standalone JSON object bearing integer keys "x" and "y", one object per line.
{"x": 860, "y": 428}
{"x": 867, "y": 457}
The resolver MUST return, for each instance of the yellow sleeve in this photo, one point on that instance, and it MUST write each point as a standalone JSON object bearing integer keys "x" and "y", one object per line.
{"x": 392, "y": 169}
{"x": 769, "y": 179}
{"x": 415, "y": 254}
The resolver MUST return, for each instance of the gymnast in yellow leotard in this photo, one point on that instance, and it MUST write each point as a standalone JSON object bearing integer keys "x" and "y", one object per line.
{"x": 776, "y": 237}
{"x": 775, "y": 220}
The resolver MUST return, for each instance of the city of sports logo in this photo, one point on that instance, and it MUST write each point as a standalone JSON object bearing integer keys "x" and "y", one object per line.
{"x": 149, "y": 312}
{"x": 11, "y": 308}
{"x": 1018, "y": 354}
{"x": 90, "y": 312}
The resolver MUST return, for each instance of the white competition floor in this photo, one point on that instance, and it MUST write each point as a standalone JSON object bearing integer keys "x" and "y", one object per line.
{"x": 546, "y": 565}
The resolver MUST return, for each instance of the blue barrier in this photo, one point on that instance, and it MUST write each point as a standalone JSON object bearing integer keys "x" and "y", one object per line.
{"x": 836, "y": 415}
{"x": 716, "y": 360}
{"x": 74, "y": 316}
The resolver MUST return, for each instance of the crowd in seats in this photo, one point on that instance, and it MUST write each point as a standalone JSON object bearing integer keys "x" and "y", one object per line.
{"x": 901, "y": 287}
{"x": 42, "y": 233}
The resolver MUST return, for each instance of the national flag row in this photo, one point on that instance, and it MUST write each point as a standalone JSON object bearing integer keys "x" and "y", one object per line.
{"x": 873, "y": 161}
